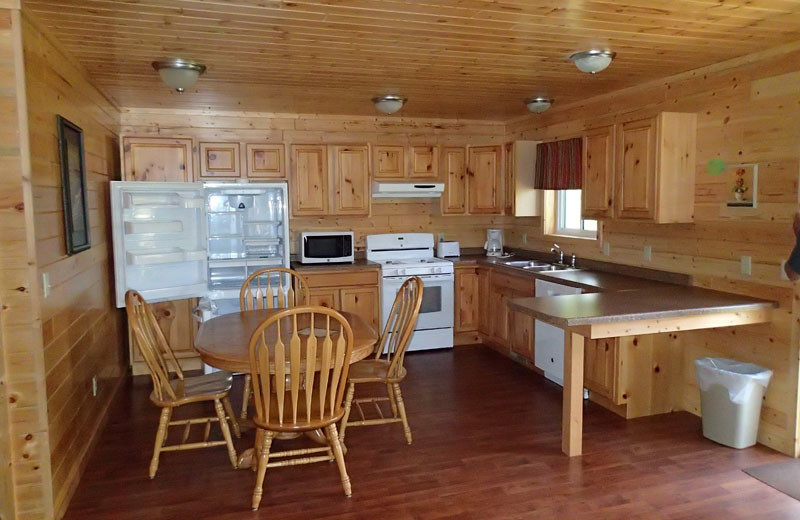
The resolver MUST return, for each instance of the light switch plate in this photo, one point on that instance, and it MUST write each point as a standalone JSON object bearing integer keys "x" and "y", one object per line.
{"x": 746, "y": 264}
{"x": 46, "y": 284}
{"x": 783, "y": 271}
{"x": 607, "y": 248}
{"x": 524, "y": 238}
{"x": 648, "y": 253}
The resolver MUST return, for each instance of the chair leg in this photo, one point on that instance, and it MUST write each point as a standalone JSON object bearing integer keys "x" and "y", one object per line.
{"x": 234, "y": 421}
{"x": 161, "y": 437}
{"x": 348, "y": 403}
{"x": 246, "y": 395}
{"x": 333, "y": 439}
{"x": 392, "y": 402}
{"x": 262, "y": 460}
{"x": 402, "y": 408}
{"x": 226, "y": 433}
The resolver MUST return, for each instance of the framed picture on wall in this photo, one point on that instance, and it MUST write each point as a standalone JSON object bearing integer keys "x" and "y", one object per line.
{"x": 73, "y": 186}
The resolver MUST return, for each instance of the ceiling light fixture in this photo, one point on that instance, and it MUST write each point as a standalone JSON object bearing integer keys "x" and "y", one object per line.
{"x": 537, "y": 105}
{"x": 177, "y": 73}
{"x": 389, "y": 104}
{"x": 592, "y": 61}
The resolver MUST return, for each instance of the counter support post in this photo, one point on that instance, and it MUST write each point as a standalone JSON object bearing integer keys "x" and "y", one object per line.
{"x": 572, "y": 414}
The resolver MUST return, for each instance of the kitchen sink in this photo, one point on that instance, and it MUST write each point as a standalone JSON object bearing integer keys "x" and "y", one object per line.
{"x": 535, "y": 265}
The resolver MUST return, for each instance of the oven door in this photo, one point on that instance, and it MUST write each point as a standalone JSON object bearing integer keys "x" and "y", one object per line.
{"x": 436, "y": 311}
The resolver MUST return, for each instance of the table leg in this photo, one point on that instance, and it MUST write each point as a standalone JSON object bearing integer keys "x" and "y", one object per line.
{"x": 572, "y": 414}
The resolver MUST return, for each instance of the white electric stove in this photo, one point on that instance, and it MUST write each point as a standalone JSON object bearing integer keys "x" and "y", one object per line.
{"x": 402, "y": 255}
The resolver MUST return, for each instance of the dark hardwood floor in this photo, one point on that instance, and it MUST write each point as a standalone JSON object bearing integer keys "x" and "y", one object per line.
{"x": 486, "y": 445}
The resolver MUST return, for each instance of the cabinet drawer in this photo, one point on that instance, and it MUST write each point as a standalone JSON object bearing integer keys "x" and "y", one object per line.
{"x": 342, "y": 278}
{"x": 522, "y": 284}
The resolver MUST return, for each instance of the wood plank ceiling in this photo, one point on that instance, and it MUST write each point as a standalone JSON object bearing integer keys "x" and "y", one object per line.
{"x": 453, "y": 58}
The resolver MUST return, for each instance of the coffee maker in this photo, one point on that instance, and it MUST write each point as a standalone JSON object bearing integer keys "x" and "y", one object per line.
{"x": 494, "y": 242}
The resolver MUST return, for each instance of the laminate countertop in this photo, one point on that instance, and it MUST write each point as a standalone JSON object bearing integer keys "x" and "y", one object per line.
{"x": 359, "y": 265}
{"x": 635, "y": 305}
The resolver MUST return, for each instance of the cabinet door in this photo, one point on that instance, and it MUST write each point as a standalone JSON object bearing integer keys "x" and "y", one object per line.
{"x": 389, "y": 162}
{"x": 598, "y": 173}
{"x": 265, "y": 161}
{"x": 485, "y": 180}
{"x": 498, "y": 302}
{"x": 521, "y": 330}
{"x": 351, "y": 180}
{"x": 466, "y": 300}
{"x": 484, "y": 307}
{"x": 364, "y": 302}
{"x": 175, "y": 320}
{"x": 309, "y": 184}
{"x": 636, "y": 170}
{"x": 599, "y": 368}
{"x": 424, "y": 162}
{"x": 219, "y": 160}
{"x": 509, "y": 182}
{"x": 454, "y": 198}
{"x": 156, "y": 159}
{"x": 327, "y": 297}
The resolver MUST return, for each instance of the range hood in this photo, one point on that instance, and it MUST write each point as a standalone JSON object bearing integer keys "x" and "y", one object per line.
{"x": 407, "y": 189}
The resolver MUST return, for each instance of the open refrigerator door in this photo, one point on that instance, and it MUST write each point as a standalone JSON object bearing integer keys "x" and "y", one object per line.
{"x": 159, "y": 235}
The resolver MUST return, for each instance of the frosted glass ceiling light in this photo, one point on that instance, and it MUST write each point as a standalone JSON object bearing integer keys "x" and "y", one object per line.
{"x": 592, "y": 61}
{"x": 389, "y": 104}
{"x": 177, "y": 73}
{"x": 537, "y": 105}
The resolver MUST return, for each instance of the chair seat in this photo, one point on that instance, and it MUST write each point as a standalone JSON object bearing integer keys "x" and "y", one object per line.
{"x": 373, "y": 371}
{"x": 302, "y": 424}
{"x": 198, "y": 388}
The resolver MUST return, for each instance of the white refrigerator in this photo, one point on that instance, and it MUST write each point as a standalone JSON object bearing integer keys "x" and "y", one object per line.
{"x": 185, "y": 240}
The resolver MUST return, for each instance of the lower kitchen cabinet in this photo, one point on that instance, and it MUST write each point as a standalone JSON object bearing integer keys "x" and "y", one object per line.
{"x": 179, "y": 328}
{"x": 600, "y": 374}
{"x": 509, "y": 330}
{"x": 354, "y": 291}
{"x": 467, "y": 298}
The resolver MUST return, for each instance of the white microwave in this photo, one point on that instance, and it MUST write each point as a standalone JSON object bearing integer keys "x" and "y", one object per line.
{"x": 326, "y": 247}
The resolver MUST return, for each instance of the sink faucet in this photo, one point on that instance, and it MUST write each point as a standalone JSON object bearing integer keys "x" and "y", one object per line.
{"x": 557, "y": 250}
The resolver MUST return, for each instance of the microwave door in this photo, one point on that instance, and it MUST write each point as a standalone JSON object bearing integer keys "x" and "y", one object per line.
{"x": 159, "y": 238}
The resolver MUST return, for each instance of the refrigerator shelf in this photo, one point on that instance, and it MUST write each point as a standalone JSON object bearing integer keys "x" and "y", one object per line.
{"x": 228, "y": 212}
{"x": 164, "y": 256}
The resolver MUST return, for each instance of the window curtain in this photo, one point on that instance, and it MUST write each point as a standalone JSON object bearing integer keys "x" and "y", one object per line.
{"x": 559, "y": 165}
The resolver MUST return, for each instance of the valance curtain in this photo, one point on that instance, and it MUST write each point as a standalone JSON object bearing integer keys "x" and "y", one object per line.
{"x": 559, "y": 165}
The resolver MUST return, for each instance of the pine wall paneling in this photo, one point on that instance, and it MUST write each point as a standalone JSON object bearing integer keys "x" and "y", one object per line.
{"x": 82, "y": 332}
{"x": 25, "y": 480}
{"x": 388, "y": 215}
{"x": 748, "y": 111}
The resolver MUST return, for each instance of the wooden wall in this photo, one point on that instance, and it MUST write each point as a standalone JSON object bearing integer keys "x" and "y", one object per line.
{"x": 388, "y": 216}
{"x": 25, "y": 490}
{"x": 82, "y": 332}
{"x": 748, "y": 112}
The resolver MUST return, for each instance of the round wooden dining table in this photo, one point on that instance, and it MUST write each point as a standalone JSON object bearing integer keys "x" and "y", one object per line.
{"x": 224, "y": 342}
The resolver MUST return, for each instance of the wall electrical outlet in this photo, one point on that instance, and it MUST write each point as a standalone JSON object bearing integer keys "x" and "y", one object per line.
{"x": 524, "y": 238}
{"x": 648, "y": 253}
{"x": 440, "y": 237}
{"x": 783, "y": 270}
{"x": 746, "y": 264}
{"x": 94, "y": 386}
{"x": 607, "y": 248}
{"x": 46, "y": 284}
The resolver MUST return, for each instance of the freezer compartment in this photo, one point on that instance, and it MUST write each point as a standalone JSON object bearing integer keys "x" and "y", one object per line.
{"x": 227, "y": 276}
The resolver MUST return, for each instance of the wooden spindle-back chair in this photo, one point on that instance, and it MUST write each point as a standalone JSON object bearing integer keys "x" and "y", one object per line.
{"x": 270, "y": 288}
{"x": 299, "y": 359}
{"x": 170, "y": 392}
{"x": 387, "y": 364}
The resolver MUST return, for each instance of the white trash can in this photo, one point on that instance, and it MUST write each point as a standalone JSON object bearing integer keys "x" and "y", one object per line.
{"x": 730, "y": 396}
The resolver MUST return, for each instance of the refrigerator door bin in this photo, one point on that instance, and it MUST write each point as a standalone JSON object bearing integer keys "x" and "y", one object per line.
{"x": 163, "y": 256}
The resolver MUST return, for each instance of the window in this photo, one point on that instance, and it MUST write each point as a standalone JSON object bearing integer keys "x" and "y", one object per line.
{"x": 568, "y": 216}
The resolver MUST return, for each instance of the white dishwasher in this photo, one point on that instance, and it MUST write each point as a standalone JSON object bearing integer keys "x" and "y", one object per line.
{"x": 549, "y": 340}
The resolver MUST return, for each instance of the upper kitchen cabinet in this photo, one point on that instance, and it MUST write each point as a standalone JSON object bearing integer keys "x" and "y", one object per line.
{"x": 389, "y": 162}
{"x": 655, "y": 168}
{"x": 265, "y": 161}
{"x": 219, "y": 160}
{"x": 454, "y": 166}
{"x": 424, "y": 163}
{"x": 350, "y": 173}
{"x": 520, "y": 199}
{"x": 309, "y": 186}
{"x": 484, "y": 180}
{"x": 598, "y": 173}
{"x": 156, "y": 159}
{"x": 330, "y": 180}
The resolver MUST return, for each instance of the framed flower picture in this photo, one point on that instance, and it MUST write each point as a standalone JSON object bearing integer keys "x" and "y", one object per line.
{"x": 73, "y": 186}
{"x": 742, "y": 180}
